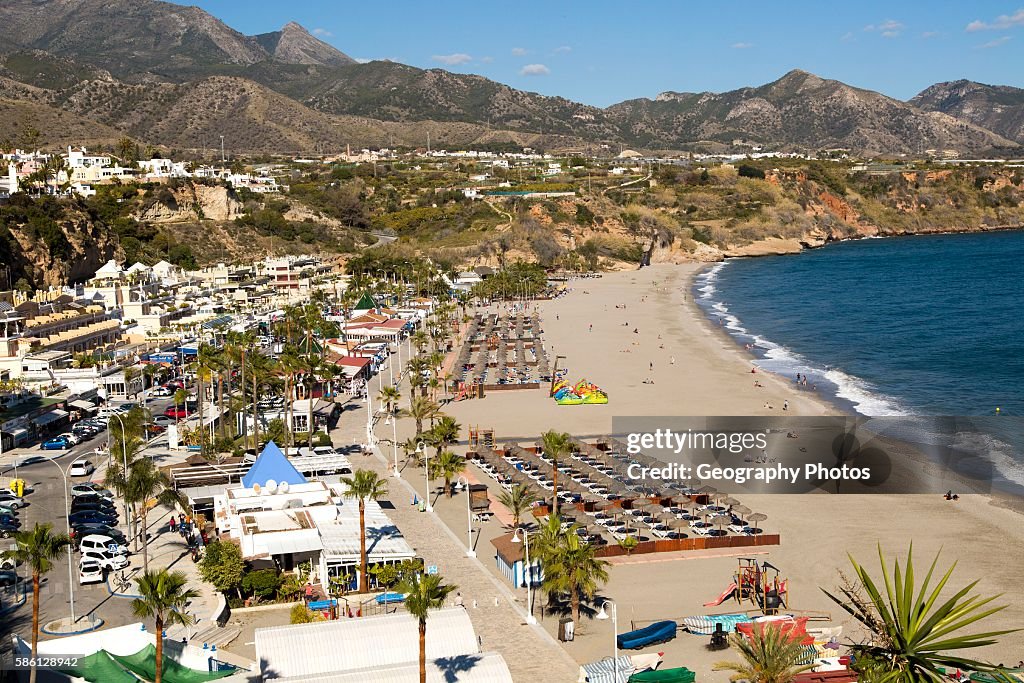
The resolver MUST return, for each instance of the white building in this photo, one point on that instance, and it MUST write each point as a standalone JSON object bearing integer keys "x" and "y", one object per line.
{"x": 80, "y": 158}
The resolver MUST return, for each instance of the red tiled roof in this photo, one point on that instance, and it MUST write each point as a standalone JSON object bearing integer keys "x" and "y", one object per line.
{"x": 393, "y": 324}
{"x": 353, "y": 361}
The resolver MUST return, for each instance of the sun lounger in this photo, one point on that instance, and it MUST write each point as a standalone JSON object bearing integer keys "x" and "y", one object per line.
{"x": 705, "y": 625}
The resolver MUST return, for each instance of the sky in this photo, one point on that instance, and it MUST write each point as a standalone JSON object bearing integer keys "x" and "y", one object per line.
{"x": 600, "y": 52}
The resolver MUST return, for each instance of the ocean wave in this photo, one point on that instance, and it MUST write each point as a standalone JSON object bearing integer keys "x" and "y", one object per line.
{"x": 778, "y": 359}
{"x": 1003, "y": 456}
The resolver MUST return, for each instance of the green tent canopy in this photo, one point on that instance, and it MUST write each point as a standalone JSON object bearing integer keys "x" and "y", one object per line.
{"x": 678, "y": 675}
{"x": 365, "y": 303}
{"x": 143, "y": 663}
{"x": 100, "y": 667}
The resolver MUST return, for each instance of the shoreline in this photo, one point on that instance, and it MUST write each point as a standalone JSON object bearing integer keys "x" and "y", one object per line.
{"x": 711, "y": 377}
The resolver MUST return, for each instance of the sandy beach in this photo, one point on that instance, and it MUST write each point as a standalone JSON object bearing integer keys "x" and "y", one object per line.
{"x": 711, "y": 375}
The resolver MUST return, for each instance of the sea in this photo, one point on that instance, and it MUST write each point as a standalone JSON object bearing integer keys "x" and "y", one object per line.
{"x": 903, "y": 326}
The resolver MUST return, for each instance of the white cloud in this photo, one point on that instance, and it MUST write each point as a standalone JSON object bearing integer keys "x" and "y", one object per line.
{"x": 323, "y": 33}
{"x": 518, "y": 51}
{"x": 562, "y": 49}
{"x": 454, "y": 59}
{"x": 993, "y": 43}
{"x": 890, "y": 28}
{"x": 1003, "y": 21}
{"x": 487, "y": 60}
{"x": 930, "y": 34}
{"x": 534, "y": 70}
{"x": 846, "y": 37}
{"x": 742, "y": 46}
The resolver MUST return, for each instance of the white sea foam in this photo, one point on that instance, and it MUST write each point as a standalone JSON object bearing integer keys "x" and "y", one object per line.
{"x": 995, "y": 451}
{"x": 858, "y": 392}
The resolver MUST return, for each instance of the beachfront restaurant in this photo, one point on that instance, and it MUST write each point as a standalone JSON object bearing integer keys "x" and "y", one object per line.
{"x": 510, "y": 557}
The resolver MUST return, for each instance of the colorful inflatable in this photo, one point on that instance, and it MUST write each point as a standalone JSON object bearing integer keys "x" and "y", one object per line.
{"x": 583, "y": 392}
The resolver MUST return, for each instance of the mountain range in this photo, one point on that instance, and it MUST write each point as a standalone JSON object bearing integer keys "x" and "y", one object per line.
{"x": 177, "y": 76}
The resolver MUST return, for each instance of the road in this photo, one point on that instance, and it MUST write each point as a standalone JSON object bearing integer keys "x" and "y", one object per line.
{"x": 47, "y": 504}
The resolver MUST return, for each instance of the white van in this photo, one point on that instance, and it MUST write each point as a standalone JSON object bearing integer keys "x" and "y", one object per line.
{"x": 99, "y": 542}
{"x": 106, "y": 559}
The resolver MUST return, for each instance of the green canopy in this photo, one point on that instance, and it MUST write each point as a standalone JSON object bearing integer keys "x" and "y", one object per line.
{"x": 100, "y": 667}
{"x": 986, "y": 677}
{"x": 678, "y": 675}
{"x": 365, "y": 302}
{"x": 143, "y": 663}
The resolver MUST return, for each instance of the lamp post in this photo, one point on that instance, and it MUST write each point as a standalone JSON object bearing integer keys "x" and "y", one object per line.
{"x": 527, "y": 572}
{"x": 615, "y": 631}
{"x": 464, "y": 483}
{"x": 124, "y": 452}
{"x": 394, "y": 440}
{"x": 369, "y": 416}
{"x": 422, "y": 448}
{"x": 67, "y": 517}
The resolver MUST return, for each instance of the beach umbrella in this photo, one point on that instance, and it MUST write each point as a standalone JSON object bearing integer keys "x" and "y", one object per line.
{"x": 730, "y": 501}
{"x": 721, "y": 521}
{"x": 754, "y": 519}
{"x": 681, "y": 501}
{"x": 740, "y": 511}
{"x": 707, "y": 490}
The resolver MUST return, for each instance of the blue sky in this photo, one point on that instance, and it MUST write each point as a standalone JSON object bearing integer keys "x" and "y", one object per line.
{"x": 602, "y": 52}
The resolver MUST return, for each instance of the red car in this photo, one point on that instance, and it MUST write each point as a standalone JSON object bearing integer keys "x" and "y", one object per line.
{"x": 177, "y": 412}
{"x": 154, "y": 429}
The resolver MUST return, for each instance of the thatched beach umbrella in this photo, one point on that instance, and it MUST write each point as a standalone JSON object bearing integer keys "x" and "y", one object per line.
{"x": 721, "y": 521}
{"x": 754, "y": 519}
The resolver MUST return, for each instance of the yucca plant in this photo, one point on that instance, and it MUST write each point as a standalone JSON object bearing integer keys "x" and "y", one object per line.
{"x": 914, "y": 635}
{"x": 770, "y": 655}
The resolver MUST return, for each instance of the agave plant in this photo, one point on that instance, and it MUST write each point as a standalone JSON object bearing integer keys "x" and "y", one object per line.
{"x": 913, "y": 635}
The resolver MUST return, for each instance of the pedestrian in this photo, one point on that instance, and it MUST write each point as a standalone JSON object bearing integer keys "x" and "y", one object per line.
{"x": 672, "y": 360}
{"x": 459, "y": 602}
{"x": 181, "y": 518}
{"x": 785, "y": 405}
{"x": 652, "y": 366}
{"x": 309, "y": 592}
{"x": 171, "y": 523}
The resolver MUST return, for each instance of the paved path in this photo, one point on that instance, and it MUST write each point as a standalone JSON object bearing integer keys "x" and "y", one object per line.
{"x": 497, "y": 616}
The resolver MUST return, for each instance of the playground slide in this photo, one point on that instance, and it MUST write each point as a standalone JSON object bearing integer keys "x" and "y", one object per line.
{"x": 726, "y": 594}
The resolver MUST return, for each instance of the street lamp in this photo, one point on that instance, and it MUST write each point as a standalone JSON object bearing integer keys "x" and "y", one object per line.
{"x": 422, "y": 448}
{"x": 369, "y": 417}
{"x": 464, "y": 483}
{"x": 602, "y": 615}
{"x": 124, "y": 449}
{"x": 67, "y": 517}
{"x": 527, "y": 573}
{"x": 393, "y": 421}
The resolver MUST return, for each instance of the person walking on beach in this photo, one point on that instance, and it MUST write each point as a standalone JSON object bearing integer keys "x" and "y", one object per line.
{"x": 652, "y": 366}
{"x": 785, "y": 405}
{"x": 672, "y": 360}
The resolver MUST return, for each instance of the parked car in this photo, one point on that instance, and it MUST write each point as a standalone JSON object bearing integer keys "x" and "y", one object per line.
{"x": 7, "y": 563}
{"x": 177, "y": 412}
{"x": 81, "y": 468}
{"x": 84, "y": 430}
{"x": 7, "y": 509}
{"x": 154, "y": 429}
{"x": 96, "y": 422}
{"x": 101, "y": 542}
{"x": 163, "y": 420}
{"x": 10, "y": 500}
{"x": 105, "y": 558}
{"x": 93, "y": 504}
{"x": 93, "y": 517}
{"x": 8, "y": 529}
{"x": 74, "y": 439}
{"x": 162, "y": 391}
{"x": 6, "y": 518}
{"x": 59, "y": 443}
{"x": 80, "y": 531}
{"x": 90, "y": 489}
{"x": 8, "y": 577}
{"x": 91, "y": 571}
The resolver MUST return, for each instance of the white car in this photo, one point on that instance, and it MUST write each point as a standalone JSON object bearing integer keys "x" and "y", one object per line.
{"x": 73, "y": 439}
{"x": 163, "y": 420}
{"x": 91, "y": 489}
{"x": 91, "y": 571}
{"x": 162, "y": 391}
{"x": 11, "y": 500}
{"x": 99, "y": 542}
{"x": 81, "y": 468}
{"x": 105, "y": 559}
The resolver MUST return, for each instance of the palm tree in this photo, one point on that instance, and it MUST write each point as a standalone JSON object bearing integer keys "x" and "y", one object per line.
{"x": 518, "y": 500}
{"x": 364, "y": 485}
{"x": 419, "y": 340}
{"x": 289, "y": 363}
{"x": 261, "y": 371}
{"x": 444, "y": 432}
{"x": 207, "y": 361}
{"x": 389, "y": 396}
{"x": 911, "y": 638}
{"x": 422, "y": 408}
{"x": 180, "y": 399}
{"x": 142, "y": 482}
{"x": 38, "y": 548}
{"x": 770, "y": 655}
{"x": 417, "y": 366}
{"x": 573, "y": 568}
{"x": 556, "y": 446}
{"x": 447, "y": 465}
{"x": 162, "y": 597}
{"x": 424, "y": 592}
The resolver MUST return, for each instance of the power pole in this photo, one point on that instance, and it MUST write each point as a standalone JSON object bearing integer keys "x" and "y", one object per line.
{"x": 222, "y": 160}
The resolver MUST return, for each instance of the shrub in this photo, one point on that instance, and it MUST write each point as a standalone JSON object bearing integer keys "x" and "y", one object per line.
{"x": 262, "y": 583}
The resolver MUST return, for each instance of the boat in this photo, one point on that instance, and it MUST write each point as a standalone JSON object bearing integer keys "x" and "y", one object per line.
{"x": 675, "y": 675}
{"x": 658, "y": 632}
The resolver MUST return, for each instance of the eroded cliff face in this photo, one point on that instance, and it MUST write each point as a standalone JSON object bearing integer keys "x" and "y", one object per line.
{"x": 87, "y": 247}
{"x": 188, "y": 203}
